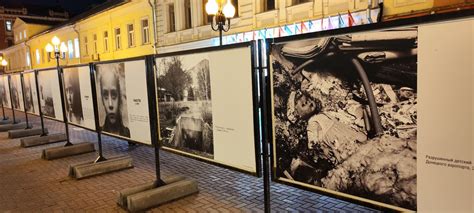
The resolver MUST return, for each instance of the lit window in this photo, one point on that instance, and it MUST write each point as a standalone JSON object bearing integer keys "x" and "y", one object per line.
{"x": 95, "y": 43}
{"x": 77, "y": 51}
{"x": 21, "y": 36}
{"x": 28, "y": 60}
{"x": 145, "y": 32}
{"x": 8, "y": 26}
{"x": 172, "y": 23}
{"x": 86, "y": 51}
{"x": 117, "y": 39}
{"x": 70, "y": 49}
{"x": 187, "y": 14}
{"x": 24, "y": 34}
{"x": 38, "y": 57}
{"x": 131, "y": 35}
{"x": 106, "y": 41}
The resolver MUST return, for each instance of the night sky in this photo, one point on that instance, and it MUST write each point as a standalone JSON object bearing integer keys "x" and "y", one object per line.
{"x": 72, "y": 6}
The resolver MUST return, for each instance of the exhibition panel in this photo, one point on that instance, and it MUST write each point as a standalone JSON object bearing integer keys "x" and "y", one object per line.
{"x": 29, "y": 88}
{"x": 345, "y": 114}
{"x": 5, "y": 91}
{"x": 206, "y": 106}
{"x": 50, "y": 96}
{"x": 16, "y": 92}
{"x": 78, "y": 96}
{"x": 122, "y": 98}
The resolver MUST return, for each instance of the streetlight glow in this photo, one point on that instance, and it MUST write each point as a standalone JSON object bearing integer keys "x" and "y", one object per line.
{"x": 55, "y": 41}
{"x": 49, "y": 48}
{"x": 229, "y": 10}
{"x": 4, "y": 62}
{"x": 63, "y": 48}
{"x": 212, "y": 7}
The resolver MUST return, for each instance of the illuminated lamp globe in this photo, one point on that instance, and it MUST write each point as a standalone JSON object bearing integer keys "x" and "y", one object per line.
{"x": 229, "y": 10}
{"x": 4, "y": 62}
{"x": 212, "y": 7}
{"x": 49, "y": 48}
{"x": 55, "y": 41}
{"x": 63, "y": 47}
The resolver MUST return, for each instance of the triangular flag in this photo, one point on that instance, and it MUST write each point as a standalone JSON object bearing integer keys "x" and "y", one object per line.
{"x": 330, "y": 26}
{"x": 341, "y": 21}
{"x": 288, "y": 31}
{"x": 350, "y": 19}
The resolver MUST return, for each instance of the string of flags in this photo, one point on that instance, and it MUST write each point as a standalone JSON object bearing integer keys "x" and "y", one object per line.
{"x": 329, "y": 23}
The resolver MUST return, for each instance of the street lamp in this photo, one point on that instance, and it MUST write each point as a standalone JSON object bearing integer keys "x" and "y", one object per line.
{"x": 4, "y": 64}
{"x": 58, "y": 48}
{"x": 222, "y": 15}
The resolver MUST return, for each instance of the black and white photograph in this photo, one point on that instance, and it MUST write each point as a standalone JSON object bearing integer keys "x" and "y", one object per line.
{"x": 45, "y": 82}
{"x": 29, "y": 88}
{"x": 184, "y": 103}
{"x": 5, "y": 91}
{"x": 73, "y": 96}
{"x": 345, "y": 114}
{"x": 112, "y": 99}
{"x": 16, "y": 92}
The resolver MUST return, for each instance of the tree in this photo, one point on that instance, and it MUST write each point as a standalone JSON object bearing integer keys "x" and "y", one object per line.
{"x": 175, "y": 79}
{"x": 204, "y": 80}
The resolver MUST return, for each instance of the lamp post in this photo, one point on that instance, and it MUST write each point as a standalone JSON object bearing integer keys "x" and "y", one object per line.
{"x": 222, "y": 15}
{"x": 59, "y": 49}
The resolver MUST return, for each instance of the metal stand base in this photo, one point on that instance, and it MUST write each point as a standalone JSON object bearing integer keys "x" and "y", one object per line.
{"x": 60, "y": 152}
{"x": 6, "y": 127}
{"x": 21, "y": 133}
{"x": 89, "y": 169}
{"x": 42, "y": 140}
{"x": 148, "y": 195}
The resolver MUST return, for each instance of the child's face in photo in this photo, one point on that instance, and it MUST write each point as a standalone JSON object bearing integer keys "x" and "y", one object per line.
{"x": 304, "y": 106}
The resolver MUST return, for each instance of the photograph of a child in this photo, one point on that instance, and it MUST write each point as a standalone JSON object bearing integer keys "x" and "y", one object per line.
{"x": 16, "y": 92}
{"x": 46, "y": 94}
{"x": 112, "y": 99}
{"x": 73, "y": 96}
{"x": 345, "y": 115}
{"x": 28, "y": 78}
{"x": 185, "y": 104}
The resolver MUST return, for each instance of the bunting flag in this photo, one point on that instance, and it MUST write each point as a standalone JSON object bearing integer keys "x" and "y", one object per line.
{"x": 305, "y": 26}
{"x": 240, "y": 37}
{"x": 330, "y": 26}
{"x": 262, "y": 34}
{"x": 248, "y": 36}
{"x": 350, "y": 19}
{"x": 316, "y": 26}
{"x": 341, "y": 21}
{"x": 269, "y": 33}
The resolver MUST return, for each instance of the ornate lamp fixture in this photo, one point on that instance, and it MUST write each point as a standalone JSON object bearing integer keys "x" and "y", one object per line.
{"x": 222, "y": 15}
{"x": 3, "y": 62}
{"x": 59, "y": 49}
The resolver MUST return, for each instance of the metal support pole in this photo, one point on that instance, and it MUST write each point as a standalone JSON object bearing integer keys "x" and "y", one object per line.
{"x": 220, "y": 35}
{"x": 11, "y": 100}
{"x": 264, "y": 86}
{"x": 152, "y": 106}
{"x": 63, "y": 106}
{"x": 3, "y": 112}
{"x": 39, "y": 105}
{"x": 24, "y": 101}
{"x": 96, "y": 114}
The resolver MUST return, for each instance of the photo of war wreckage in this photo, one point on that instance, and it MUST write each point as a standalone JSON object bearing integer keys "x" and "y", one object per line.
{"x": 345, "y": 115}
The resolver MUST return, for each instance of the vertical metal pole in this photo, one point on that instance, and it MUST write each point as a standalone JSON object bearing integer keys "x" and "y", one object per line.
{"x": 220, "y": 35}
{"x": 96, "y": 114}
{"x": 63, "y": 106}
{"x": 152, "y": 107}
{"x": 39, "y": 105}
{"x": 11, "y": 100}
{"x": 3, "y": 111}
{"x": 24, "y": 105}
{"x": 265, "y": 138}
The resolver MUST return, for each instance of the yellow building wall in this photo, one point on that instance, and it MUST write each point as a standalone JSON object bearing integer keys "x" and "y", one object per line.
{"x": 119, "y": 17}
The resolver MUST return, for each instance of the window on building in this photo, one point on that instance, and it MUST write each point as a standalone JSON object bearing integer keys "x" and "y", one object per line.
{"x": 8, "y": 25}
{"x": 268, "y": 5}
{"x": 236, "y": 5}
{"x": 207, "y": 19}
{"x": 172, "y": 21}
{"x": 94, "y": 37}
{"x": 38, "y": 57}
{"x": 77, "y": 50}
{"x": 70, "y": 49}
{"x": 21, "y": 36}
{"x": 106, "y": 41}
{"x": 117, "y": 39}
{"x": 24, "y": 34}
{"x": 299, "y": 1}
{"x": 131, "y": 35}
{"x": 86, "y": 50}
{"x": 28, "y": 60}
{"x": 187, "y": 14}
{"x": 145, "y": 32}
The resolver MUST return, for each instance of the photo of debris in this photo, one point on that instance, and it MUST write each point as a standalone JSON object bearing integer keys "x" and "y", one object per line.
{"x": 184, "y": 103}
{"x": 345, "y": 115}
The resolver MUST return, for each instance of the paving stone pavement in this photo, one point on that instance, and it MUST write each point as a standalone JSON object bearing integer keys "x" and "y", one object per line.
{"x": 30, "y": 184}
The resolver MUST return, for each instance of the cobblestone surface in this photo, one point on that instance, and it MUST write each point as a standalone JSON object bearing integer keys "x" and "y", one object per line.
{"x": 30, "y": 184}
